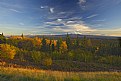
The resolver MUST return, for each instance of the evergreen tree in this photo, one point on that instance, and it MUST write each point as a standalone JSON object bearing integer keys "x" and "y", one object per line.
{"x": 44, "y": 48}
{"x": 2, "y": 39}
{"x": 68, "y": 42}
{"x": 77, "y": 41}
{"x": 120, "y": 41}
{"x": 2, "y": 34}
{"x": 53, "y": 47}
{"x": 22, "y": 35}
{"x": 59, "y": 42}
{"x": 85, "y": 41}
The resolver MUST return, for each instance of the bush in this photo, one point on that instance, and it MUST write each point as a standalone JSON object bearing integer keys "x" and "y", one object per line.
{"x": 7, "y": 51}
{"x": 70, "y": 55}
{"x": 47, "y": 61}
{"x": 81, "y": 55}
{"x": 36, "y": 56}
{"x": 56, "y": 55}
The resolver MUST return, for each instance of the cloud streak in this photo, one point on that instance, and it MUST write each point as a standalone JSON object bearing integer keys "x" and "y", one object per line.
{"x": 91, "y": 16}
{"x": 14, "y": 10}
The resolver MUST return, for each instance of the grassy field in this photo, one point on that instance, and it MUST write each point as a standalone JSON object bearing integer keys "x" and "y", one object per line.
{"x": 19, "y": 74}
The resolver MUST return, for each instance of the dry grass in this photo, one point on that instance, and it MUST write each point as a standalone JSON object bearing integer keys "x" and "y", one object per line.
{"x": 19, "y": 74}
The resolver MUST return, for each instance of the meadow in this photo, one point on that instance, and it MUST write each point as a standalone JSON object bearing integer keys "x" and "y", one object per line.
{"x": 20, "y": 74}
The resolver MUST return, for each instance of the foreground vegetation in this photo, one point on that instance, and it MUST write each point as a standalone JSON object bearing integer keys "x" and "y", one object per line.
{"x": 63, "y": 59}
{"x": 19, "y": 74}
{"x": 61, "y": 53}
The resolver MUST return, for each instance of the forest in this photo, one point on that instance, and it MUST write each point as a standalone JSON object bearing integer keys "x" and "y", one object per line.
{"x": 61, "y": 53}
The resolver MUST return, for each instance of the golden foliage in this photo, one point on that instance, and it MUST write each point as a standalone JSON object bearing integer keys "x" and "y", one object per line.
{"x": 63, "y": 46}
{"x": 7, "y": 51}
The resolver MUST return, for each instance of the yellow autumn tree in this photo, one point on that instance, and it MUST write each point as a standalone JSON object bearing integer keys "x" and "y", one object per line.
{"x": 7, "y": 51}
{"x": 63, "y": 46}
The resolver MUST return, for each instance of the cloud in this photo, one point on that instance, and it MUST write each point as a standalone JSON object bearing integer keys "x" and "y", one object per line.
{"x": 14, "y": 10}
{"x": 81, "y": 27}
{"x": 82, "y": 4}
{"x": 44, "y": 7}
{"x": 59, "y": 20}
{"x": 74, "y": 28}
{"x": 91, "y": 16}
{"x": 62, "y": 13}
{"x": 71, "y": 25}
{"x": 82, "y": 1}
{"x": 56, "y": 22}
{"x": 51, "y": 10}
{"x": 70, "y": 22}
{"x": 77, "y": 26}
{"x": 107, "y": 32}
{"x": 101, "y": 20}
{"x": 22, "y": 24}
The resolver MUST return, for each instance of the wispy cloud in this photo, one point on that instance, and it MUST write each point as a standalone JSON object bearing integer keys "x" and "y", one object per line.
{"x": 82, "y": 4}
{"x": 100, "y": 20}
{"x": 72, "y": 25}
{"x": 91, "y": 16}
{"x": 107, "y": 32}
{"x": 22, "y": 24}
{"x": 44, "y": 7}
{"x": 82, "y": 1}
{"x": 51, "y": 10}
{"x": 77, "y": 28}
{"x": 14, "y": 10}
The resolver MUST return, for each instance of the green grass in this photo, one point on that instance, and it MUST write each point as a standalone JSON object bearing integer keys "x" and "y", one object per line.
{"x": 19, "y": 74}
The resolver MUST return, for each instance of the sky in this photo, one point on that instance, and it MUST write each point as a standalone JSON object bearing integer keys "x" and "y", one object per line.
{"x": 36, "y": 17}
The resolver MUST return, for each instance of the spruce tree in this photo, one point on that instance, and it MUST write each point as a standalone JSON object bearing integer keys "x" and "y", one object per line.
{"x": 119, "y": 41}
{"x": 53, "y": 47}
{"x": 2, "y": 39}
{"x": 2, "y": 34}
{"x": 43, "y": 44}
{"x": 59, "y": 42}
{"x": 85, "y": 41}
{"x": 77, "y": 41}
{"x": 68, "y": 42}
{"x": 22, "y": 35}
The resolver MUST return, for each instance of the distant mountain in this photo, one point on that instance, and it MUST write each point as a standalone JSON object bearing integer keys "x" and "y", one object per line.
{"x": 74, "y": 36}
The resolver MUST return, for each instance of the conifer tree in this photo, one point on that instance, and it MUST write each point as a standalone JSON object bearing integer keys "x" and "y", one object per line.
{"x": 68, "y": 42}
{"x": 44, "y": 48}
{"x": 53, "y": 47}
{"x": 22, "y": 35}
{"x": 2, "y": 39}
{"x": 59, "y": 42}
{"x": 85, "y": 41}
{"x": 120, "y": 41}
{"x": 77, "y": 41}
{"x": 2, "y": 34}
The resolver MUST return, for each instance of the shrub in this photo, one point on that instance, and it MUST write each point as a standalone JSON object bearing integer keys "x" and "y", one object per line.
{"x": 47, "y": 61}
{"x": 70, "y": 55}
{"x": 56, "y": 55}
{"x": 36, "y": 56}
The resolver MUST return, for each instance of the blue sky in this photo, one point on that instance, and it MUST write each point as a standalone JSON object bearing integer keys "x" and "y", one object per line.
{"x": 93, "y": 17}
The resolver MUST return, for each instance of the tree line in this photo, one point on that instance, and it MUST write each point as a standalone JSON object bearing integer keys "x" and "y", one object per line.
{"x": 44, "y": 51}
